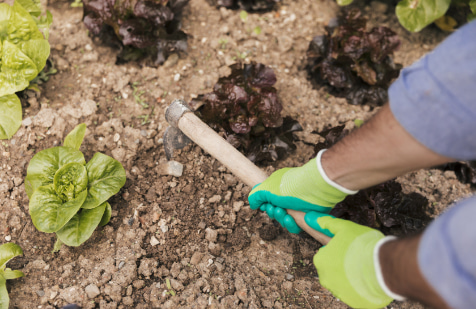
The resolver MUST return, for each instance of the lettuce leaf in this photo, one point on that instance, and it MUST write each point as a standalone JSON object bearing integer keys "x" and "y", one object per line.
{"x": 106, "y": 177}
{"x": 44, "y": 165}
{"x": 23, "y": 54}
{"x": 49, "y": 212}
{"x": 7, "y": 252}
{"x": 10, "y": 115}
{"x": 81, "y": 226}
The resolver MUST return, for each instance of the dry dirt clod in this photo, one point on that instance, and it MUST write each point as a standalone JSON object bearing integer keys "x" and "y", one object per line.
{"x": 92, "y": 291}
{"x": 172, "y": 168}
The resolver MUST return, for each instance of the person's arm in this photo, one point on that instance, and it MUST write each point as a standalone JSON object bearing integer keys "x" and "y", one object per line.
{"x": 378, "y": 151}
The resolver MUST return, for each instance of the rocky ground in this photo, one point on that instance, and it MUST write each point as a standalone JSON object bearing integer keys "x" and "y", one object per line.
{"x": 188, "y": 241}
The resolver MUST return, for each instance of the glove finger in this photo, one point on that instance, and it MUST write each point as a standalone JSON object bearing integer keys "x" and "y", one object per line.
{"x": 279, "y": 215}
{"x": 261, "y": 197}
{"x": 311, "y": 219}
{"x": 263, "y": 207}
{"x": 270, "y": 210}
{"x": 334, "y": 225}
{"x": 291, "y": 225}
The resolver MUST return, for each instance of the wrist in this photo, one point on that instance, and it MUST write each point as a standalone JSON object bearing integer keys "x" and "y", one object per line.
{"x": 326, "y": 178}
{"x": 401, "y": 272}
{"x": 378, "y": 269}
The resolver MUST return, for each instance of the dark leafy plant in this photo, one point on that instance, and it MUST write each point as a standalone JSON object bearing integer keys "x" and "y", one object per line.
{"x": 7, "y": 252}
{"x": 140, "y": 27}
{"x": 69, "y": 196}
{"x": 245, "y": 108}
{"x": 384, "y": 206}
{"x": 23, "y": 53}
{"x": 465, "y": 171}
{"x": 247, "y": 5}
{"x": 355, "y": 63}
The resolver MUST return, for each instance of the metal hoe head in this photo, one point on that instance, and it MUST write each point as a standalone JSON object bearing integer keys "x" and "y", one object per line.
{"x": 173, "y": 136}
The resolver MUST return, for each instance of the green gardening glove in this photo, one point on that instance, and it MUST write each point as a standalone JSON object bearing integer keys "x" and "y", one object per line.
{"x": 306, "y": 188}
{"x": 348, "y": 265}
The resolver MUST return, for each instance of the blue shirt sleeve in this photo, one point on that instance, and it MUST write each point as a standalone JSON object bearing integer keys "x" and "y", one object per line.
{"x": 447, "y": 255}
{"x": 435, "y": 98}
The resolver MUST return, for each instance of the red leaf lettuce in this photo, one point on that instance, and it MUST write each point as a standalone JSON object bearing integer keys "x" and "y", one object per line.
{"x": 355, "y": 63}
{"x": 245, "y": 108}
{"x": 138, "y": 27}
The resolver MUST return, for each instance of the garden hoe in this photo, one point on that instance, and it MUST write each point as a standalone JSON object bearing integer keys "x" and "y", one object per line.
{"x": 185, "y": 126}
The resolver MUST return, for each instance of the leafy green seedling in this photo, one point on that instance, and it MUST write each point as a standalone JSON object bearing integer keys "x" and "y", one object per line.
{"x": 358, "y": 122}
{"x": 7, "y": 252}
{"x": 244, "y": 16}
{"x": 23, "y": 53}
{"x": 77, "y": 4}
{"x": 169, "y": 286}
{"x": 69, "y": 196}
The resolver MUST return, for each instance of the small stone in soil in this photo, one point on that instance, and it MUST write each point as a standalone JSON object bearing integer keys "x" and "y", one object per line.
{"x": 154, "y": 241}
{"x": 172, "y": 168}
{"x": 211, "y": 235}
{"x": 92, "y": 291}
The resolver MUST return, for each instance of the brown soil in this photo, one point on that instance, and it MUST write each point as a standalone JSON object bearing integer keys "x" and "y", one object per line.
{"x": 196, "y": 231}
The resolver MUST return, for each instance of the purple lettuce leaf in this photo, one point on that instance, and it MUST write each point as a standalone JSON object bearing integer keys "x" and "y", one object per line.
{"x": 354, "y": 63}
{"x": 465, "y": 171}
{"x": 247, "y": 5}
{"x": 245, "y": 108}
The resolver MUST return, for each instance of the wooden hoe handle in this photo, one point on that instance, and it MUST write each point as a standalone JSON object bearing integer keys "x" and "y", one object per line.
{"x": 236, "y": 162}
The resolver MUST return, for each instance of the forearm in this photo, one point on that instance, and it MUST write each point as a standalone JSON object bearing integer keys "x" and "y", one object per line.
{"x": 402, "y": 275}
{"x": 378, "y": 151}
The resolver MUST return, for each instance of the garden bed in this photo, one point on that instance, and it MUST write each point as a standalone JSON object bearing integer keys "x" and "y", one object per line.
{"x": 189, "y": 241}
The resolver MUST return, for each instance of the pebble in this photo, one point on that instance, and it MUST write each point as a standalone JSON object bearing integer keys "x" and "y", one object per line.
{"x": 88, "y": 107}
{"x": 177, "y": 77}
{"x": 172, "y": 168}
{"x": 171, "y": 61}
{"x": 116, "y": 137}
{"x": 40, "y": 293}
{"x": 92, "y": 290}
{"x": 164, "y": 228}
{"x": 27, "y": 122}
{"x": 196, "y": 258}
{"x": 211, "y": 234}
{"x": 176, "y": 285}
{"x": 121, "y": 264}
{"x": 154, "y": 241}
{"x": 8, "y": 238}
{"x": 237, "y": 206}
{"x": 289, "y": 277}
{"x": 215, "y": 199}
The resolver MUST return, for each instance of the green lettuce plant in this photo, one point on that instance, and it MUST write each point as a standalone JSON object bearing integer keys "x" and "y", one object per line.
{"x": 7, "y": 252}
{"x": 69, "y": 196}
{"x": 414, "y": 15}
{"x": 23, "y": 53}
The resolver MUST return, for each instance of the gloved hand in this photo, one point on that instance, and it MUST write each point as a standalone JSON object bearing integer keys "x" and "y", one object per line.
{"x": 306, "y": 188}
{"x": 348, "y": 265}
